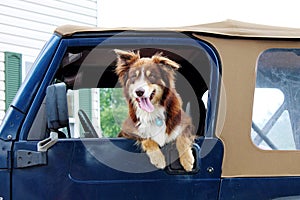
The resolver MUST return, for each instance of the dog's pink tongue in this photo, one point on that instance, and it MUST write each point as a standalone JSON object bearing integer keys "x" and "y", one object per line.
{"x": 146, "y": 104}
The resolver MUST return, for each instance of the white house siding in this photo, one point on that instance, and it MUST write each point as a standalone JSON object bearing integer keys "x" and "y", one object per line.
{"x": 26, "y": 25}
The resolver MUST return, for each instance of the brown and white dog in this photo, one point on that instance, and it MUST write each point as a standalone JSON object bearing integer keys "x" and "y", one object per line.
{"x": 155, "y": 108}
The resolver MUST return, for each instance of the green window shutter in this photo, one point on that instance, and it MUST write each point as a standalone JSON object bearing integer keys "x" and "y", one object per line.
{"x": 85, "y": 103}
{"x": 13, "y": 76}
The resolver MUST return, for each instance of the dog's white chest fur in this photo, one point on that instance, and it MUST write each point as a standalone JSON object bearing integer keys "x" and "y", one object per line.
{"x": 153, "y": 126}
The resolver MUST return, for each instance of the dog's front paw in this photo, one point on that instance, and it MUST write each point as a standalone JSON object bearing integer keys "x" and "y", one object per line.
{"x": 157, "y": 159}
{"x": 187, "y": 160}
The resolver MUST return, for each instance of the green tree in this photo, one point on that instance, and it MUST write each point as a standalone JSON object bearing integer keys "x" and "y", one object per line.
{"x": 113, "y": 111}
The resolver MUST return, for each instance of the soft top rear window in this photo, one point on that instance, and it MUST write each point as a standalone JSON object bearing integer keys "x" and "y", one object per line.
{"x": 276, "y": 113}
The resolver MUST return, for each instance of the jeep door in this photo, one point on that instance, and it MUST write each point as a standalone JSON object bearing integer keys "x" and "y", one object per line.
{"x": 80, "y": 156}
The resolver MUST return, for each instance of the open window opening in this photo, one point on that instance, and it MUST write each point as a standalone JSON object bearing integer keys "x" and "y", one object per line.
{"x": 94, "y": 95}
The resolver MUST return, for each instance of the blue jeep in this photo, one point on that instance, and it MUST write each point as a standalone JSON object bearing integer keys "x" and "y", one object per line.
{"x": 238, "y": 82}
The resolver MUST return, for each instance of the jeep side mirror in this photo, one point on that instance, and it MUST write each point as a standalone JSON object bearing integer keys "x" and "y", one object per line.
{"x": 57, "y": 107}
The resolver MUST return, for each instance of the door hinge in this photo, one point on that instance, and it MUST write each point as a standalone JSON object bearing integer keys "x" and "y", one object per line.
{"x": 26, "y": 158}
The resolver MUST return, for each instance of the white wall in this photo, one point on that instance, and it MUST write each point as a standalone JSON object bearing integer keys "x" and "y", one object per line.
{"x": 166, "y": 13}
{"x": 26, "y": 25}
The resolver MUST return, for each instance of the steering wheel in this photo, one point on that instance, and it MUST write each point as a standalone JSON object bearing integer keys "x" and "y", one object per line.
{"x": 87, "y": 125}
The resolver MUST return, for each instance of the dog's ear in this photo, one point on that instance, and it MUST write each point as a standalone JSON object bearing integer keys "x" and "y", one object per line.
{"x": 159, "y": 59}
{"x": 124, "y": 60}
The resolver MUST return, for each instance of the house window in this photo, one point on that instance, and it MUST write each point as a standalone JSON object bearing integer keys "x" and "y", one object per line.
{"x": 276, "y": 109}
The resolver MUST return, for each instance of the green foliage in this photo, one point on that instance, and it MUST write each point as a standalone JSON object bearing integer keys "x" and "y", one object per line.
{"x": 113, "y": 111}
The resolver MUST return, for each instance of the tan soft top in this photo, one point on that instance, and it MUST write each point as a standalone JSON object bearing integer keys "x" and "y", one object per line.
{"x": 238, "y": 56}
{"x": 225, "y": 28}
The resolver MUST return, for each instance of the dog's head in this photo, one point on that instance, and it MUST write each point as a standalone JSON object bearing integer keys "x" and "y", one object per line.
{"x": 145, "y": 79}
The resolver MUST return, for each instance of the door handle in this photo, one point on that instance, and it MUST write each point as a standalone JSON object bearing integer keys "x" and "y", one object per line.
{"x": 47, "y": 143}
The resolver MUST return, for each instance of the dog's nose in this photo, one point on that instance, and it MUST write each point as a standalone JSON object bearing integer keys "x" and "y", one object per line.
{"x": 140, "y": 92}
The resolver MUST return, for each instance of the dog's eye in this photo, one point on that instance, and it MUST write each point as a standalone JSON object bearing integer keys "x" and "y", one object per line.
{"x": 133, "y": 76}
{"x": 152, "y": 77}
